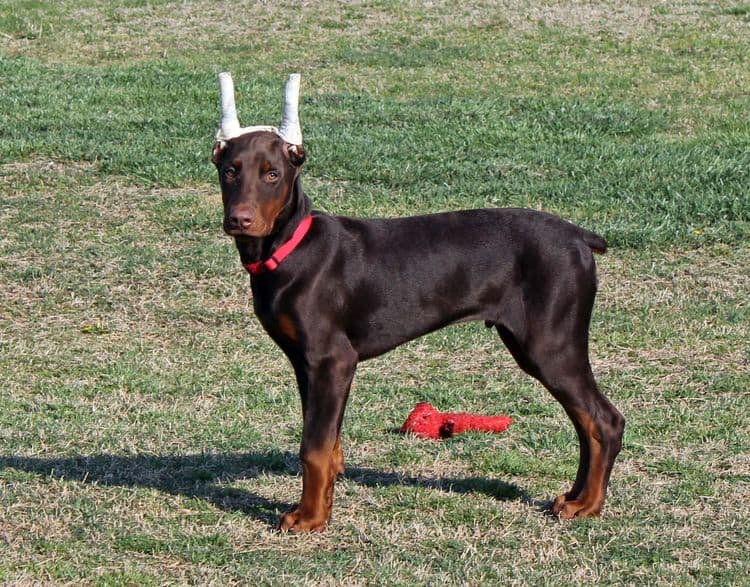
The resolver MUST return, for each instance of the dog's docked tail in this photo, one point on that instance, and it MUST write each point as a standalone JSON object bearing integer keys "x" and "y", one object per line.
{"x": 596, "y": 243}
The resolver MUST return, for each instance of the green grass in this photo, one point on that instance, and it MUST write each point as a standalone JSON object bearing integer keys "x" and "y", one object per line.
{"x": 149, "y": 428}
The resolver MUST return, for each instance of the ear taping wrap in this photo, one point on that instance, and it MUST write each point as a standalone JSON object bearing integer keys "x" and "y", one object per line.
{"x": 289, "y": 127}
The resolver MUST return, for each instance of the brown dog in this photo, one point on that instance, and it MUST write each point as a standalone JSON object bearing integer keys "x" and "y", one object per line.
{"x": 332, "y": 291}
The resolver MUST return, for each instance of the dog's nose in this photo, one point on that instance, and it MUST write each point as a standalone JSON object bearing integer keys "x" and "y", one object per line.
{"x": 238, "y": 220}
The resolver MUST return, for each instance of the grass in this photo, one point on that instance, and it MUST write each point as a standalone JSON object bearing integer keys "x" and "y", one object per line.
{"x": 149, "y": 429}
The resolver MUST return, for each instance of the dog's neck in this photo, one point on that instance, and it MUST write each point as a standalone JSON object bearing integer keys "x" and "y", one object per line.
{"x": 297, "y": 206}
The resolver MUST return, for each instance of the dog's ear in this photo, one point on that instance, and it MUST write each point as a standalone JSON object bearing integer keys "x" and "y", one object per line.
{"x": 217, "y": 152}
{"x": 295, "y": 153}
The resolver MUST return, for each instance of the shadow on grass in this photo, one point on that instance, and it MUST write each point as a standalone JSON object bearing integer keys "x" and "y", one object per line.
{"x": 207, "y": 476}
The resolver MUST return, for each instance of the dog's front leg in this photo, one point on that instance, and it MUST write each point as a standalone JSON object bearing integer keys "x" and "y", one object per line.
{"x": 324, "y": 387}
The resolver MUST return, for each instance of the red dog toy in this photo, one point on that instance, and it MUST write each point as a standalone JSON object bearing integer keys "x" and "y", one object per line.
{"x": 427, "y": 422}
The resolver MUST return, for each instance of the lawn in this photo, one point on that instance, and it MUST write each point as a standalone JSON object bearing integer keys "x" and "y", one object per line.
{"x": 149, "y": 428}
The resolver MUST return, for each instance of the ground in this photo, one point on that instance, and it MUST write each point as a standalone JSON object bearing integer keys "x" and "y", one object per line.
{"x": 149, "y": 428}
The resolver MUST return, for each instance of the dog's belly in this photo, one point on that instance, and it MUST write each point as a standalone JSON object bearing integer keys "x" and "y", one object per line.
{"x": 373, "y": 314}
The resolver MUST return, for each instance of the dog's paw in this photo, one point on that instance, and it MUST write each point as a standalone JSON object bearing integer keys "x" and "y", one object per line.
{"x": 296, "y": 521}
{"x": 567, "y": 509}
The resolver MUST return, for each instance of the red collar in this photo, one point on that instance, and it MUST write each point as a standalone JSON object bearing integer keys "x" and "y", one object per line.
{"x": 283, "y": 251}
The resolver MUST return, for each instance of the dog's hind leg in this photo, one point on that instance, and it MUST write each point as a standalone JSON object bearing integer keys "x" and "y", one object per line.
{"x": 566, "y": 373}
{"x": 598, "y": 424}
{"x": 548, "y": 337}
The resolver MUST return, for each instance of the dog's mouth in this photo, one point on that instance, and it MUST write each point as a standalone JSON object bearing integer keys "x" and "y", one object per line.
{"x": 245, "y": 232}
{"x": 239, "y": 233}
{"x": 234, "y": 232}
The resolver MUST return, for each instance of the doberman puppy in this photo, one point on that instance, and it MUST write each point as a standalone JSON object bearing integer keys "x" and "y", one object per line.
{"x": 332, "y": 291}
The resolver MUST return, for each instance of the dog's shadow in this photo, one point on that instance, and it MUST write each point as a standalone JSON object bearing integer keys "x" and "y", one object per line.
{"x": 209, "y": 477}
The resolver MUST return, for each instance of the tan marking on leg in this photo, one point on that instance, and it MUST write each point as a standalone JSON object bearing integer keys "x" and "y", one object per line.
{"x": 338, "y": 457}
{"x": 319, "y": 470}
{"x": 590, "y": 500}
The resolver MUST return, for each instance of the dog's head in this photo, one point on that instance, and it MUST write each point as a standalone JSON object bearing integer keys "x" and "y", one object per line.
{"x": 257, "y": 172}
{"x": 259, "y": 165}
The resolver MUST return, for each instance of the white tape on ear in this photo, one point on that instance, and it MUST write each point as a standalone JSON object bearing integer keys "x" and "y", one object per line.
{"x": 229, "y": 126}
{"x": 289, "y": 127}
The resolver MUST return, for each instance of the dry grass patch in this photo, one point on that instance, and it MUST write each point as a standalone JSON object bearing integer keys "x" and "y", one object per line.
{"x": 113, "y": 33}
{"x": 674, "y": 498}
{"x": 665, "y": 293}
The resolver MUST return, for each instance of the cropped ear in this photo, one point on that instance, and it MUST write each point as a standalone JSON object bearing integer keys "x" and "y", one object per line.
{"x": 217, "y": 152}
{"x": 295, "y": 153}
